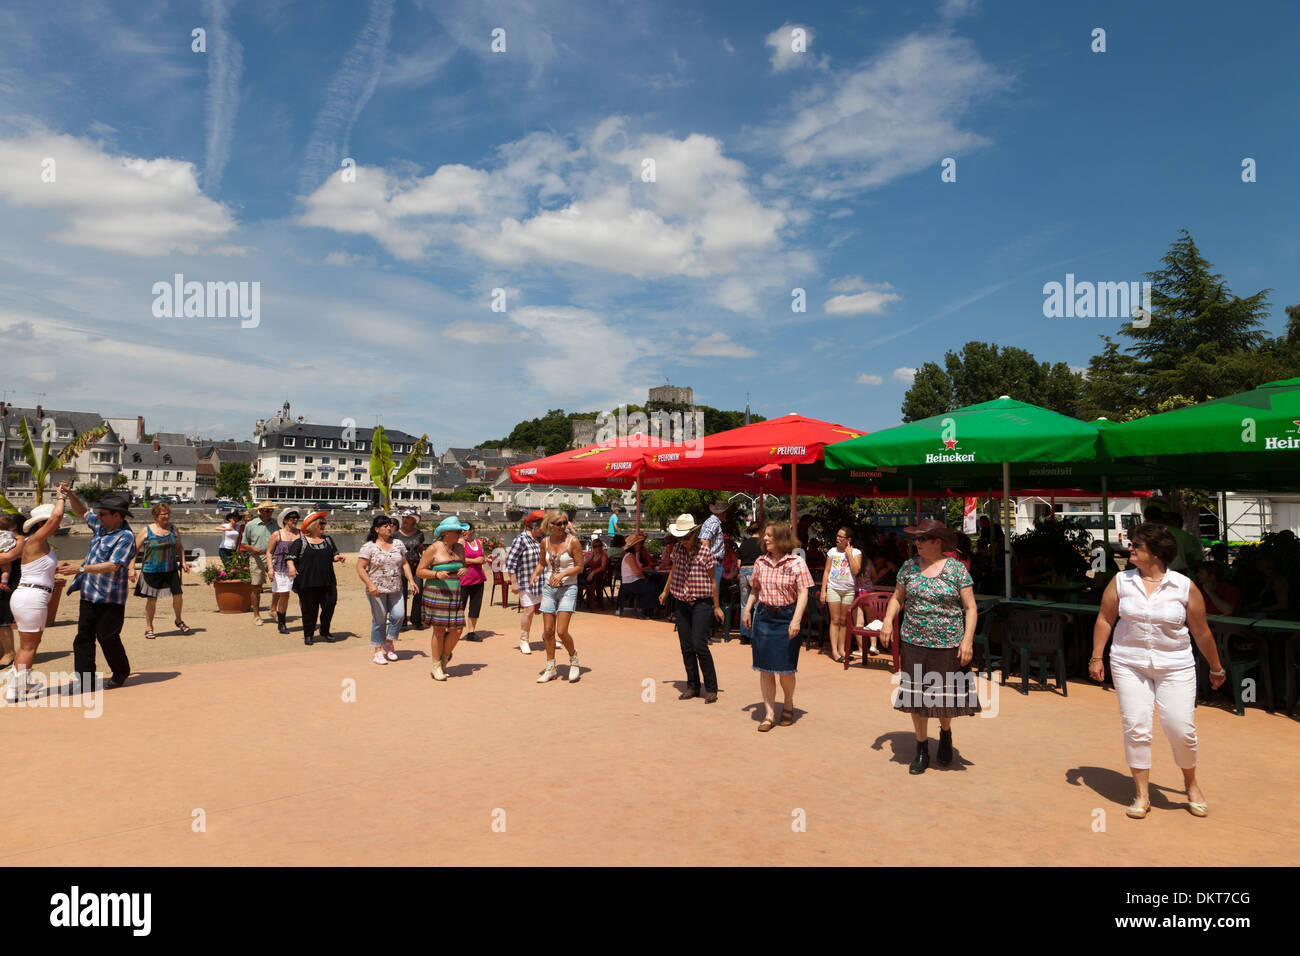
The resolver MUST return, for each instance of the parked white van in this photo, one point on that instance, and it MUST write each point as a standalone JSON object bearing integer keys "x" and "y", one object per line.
{"x": 1117, "y": 533}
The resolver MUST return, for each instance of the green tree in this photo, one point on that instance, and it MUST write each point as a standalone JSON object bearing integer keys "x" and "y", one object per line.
{"x": 983, "y": 371}
{"x": 930, "y": 394}
{"x": 1112, "y": 385}
{"x": 664, "y": 505}
{"x": 233, "y": 480}
{"x": 44, "y": 464}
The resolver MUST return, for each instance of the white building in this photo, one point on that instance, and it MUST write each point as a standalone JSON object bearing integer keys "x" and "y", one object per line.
{"x": 98, "y": 464}
{"x": 302, "y": 461}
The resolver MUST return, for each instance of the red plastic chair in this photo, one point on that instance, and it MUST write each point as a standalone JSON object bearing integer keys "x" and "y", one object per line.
{"x": 501, "y": 581}
{"x": 873, "y": 605}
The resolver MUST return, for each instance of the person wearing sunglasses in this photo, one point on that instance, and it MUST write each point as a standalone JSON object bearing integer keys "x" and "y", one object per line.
{"x": 558, "y": 570}
{"x": 311, "y": 561}
{"x": 938, "y": 635}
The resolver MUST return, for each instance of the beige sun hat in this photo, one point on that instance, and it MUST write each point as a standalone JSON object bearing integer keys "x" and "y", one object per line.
{"x": 40, "y": 514}
{"x": 683, "y": 526}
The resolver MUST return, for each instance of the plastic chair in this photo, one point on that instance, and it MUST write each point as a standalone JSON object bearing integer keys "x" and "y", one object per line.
{"x": 1036, "y": 634}
{"x": 813, "y": 619}
{"x": 982, "y": 639}
{"x": 1243, "y": 652}
{"x": 873, "y": 605}
{"x": 501, "y": 581}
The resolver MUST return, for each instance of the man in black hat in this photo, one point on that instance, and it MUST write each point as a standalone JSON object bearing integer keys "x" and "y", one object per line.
{"x": 102, "y": 580}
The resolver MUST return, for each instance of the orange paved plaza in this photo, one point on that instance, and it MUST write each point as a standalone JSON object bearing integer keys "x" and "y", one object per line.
{"x": 237, "y": 746}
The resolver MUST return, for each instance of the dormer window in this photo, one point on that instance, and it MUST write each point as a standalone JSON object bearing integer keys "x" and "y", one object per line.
{"x": 289, "y": 442}
{"x": 167, "y": 459}
{"x": 135, "y": 457}
{"x": 309, "y": 443}
{"x": 327, "y": 442}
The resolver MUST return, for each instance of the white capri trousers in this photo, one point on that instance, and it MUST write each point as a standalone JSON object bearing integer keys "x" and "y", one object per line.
{"x": 1141, "y": 690}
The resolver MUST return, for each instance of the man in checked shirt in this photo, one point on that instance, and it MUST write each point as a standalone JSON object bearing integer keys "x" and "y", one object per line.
{"x": 521, "y": 561}
{"x": 693, "y": 584}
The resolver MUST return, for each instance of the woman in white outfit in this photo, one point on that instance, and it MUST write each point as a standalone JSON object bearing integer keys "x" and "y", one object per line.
{"x": 1151, "y": 659}
{"x": 31, "y": 598}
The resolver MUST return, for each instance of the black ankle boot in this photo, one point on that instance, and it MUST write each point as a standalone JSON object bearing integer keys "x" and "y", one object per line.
{"x": 306, "y": 639}
{"x": 922, "y": 757}
{"x": 280, "y": 620}
{"x": 943, "y": 756}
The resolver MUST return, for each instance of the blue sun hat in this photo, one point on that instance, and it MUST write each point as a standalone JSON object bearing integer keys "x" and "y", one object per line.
{"x": 450, "y": 524}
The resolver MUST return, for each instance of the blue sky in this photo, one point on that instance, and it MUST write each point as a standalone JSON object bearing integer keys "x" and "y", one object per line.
{"x": 523, "y": 171}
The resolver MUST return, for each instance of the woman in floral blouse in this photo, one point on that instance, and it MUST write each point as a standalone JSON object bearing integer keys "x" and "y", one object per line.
{"x": 937, "y": 633}
{"x": 381, "y": 565}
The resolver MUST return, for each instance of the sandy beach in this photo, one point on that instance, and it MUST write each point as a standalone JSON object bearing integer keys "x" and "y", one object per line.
{"x": 238, "y": 745}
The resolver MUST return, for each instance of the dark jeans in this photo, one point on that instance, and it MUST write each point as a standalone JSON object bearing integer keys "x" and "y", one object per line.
{"x": 103, "y": 623}
{"x": 471, "y": 599}
{"x": 693, "y": 624}
{"x": 313, "y": 601}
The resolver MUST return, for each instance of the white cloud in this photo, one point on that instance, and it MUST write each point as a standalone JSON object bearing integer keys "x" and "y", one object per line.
{"x": 547, "y": 204}
{"x": 897, "y": 114}
{"x": 871, "y": 299}
{"x": 476, "y": 333}
{"x": 865, "y": 379}
{"x": 904, "y": 375}
{"x": 783, "y": 39}
{"x": 346, "y": 96}
{"x": 225, "y": 67}
{"x": 840, "y": 213}
{"x": 140, "y": 207}
{"x": 954, "y": 9}
{"x": 720, "y": 346}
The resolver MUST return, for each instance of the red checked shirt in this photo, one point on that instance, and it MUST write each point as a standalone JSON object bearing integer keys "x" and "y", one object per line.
{"x": 692, "y": 576}
{"x": 778, "y": 582}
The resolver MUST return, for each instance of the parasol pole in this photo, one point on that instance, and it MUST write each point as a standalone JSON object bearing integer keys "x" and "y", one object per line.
{"x": 1006, "y": 524}
{"x": 794, "y": 496}
{"x": 1105, "y": 517}
{"x": 638, "y": 503}
{"x": 909, "y": 498}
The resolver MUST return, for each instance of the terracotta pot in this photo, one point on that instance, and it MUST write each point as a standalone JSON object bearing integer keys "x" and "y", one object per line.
{"x": 52, "y": 615}
{"x": 233, "y": 597}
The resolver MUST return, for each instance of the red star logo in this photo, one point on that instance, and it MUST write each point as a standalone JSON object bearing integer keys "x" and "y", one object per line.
{"x": 950, "y": 444}
{"x": 1296, "y": 424}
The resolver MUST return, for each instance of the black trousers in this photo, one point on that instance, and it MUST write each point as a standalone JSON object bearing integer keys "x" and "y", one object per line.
{"x": 411, "y": 602}
{"x": 693, "y": 625}
{"x": 317, "y": 600}
{"x": 100, "y": 622}
{"x": 644, "y": 591}
{"x": 471, "y": 598}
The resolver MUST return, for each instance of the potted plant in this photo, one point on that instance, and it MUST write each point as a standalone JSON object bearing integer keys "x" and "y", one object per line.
{"x": 231, "y": 583}
{"x": 569, "y": 509}
{"x": 514, "y": 514}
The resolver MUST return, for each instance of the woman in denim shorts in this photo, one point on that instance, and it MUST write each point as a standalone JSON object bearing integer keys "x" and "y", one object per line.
{"x": 561, "y": 563}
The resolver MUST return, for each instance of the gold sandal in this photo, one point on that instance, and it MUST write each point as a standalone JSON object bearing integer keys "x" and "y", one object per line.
{"x": 765, "y": 726}
{"x": 787, "y": 717}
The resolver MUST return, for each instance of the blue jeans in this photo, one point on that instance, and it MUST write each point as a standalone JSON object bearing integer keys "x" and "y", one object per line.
{"x": 386, "y": 609}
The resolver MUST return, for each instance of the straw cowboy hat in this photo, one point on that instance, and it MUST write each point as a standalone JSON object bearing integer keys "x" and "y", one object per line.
{"x": 720, "y": 507}
{"x": 936, "y": 528}
{"x": 40, "y": 515}
{"x": 683, "y": 526}
{"x": 265, "y": 506}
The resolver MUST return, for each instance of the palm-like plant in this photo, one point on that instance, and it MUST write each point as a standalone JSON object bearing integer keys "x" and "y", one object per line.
{"x": 382, "y": 465}
{"x": 44, "y": 464}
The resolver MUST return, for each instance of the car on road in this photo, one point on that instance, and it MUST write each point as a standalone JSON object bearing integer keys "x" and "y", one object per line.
{"x": 357, "y": 506}
{"x": 602, "y": 510}
{"x": 225, "y": 505}
{"x": 321, "y": 506}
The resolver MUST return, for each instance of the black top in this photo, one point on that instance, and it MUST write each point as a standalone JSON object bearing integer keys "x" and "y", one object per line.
{"x": 750, "y": 549}
{"x": 315, "y": 562}
{"x": 414, "y": 545}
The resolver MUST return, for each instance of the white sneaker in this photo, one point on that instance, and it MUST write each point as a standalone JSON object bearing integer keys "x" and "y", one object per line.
{"x": 19, "y": 686}
{"x": 549, "y": 674}
{"x": 524, "y": 646}
{"x": 391, "y": 655}
{"x": 379, "y": 658}
{"x": 438, "y": 673}
{"x": 574, "y": 670}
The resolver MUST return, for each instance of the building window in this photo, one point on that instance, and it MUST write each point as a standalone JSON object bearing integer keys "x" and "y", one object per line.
{"x": 136, "y": 458}
{"x": 288, "y": 442}
{"x": 286, "y": 474}
{"x": 306, "y": 476}
{"x": 361, "y": 446}
{"x": 309, "y": 443}
{"x": 167, "y": 459}
{"x": 307, "y": 460}
{"x": 166, "y": 475}
{"x": 148, "y": 476}
{"x": 343, "y": 443}
{"x": 356, "y": 461}
{"x": 421, "y": 479}
{"x": 327, "y": 442}
{"x": 325, "y": 461}
{"x": 135, "y": 476}
{"x": 288, "y": 459}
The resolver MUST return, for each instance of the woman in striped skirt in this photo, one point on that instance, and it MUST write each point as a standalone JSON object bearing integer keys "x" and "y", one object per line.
{"x": 441, "y": 569}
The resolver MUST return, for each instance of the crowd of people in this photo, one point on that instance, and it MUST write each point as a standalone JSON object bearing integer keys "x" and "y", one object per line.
{"x": 1154, "y": 609}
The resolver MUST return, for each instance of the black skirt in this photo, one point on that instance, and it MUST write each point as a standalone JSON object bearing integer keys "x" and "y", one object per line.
{"x": 934, "y": 684}
{"x": 150, "y": 584}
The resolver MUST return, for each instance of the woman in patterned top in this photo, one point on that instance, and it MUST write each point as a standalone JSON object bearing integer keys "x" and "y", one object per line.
{"x": 441, "y": 569}
{"x": 779, "y": 588}
{"x": 937, "y": 640}
{"x": 162, "y": 559}
{"x": 381, "y": 565}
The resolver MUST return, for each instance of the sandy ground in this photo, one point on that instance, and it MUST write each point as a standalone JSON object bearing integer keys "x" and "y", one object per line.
{"x": 238, "y": 745}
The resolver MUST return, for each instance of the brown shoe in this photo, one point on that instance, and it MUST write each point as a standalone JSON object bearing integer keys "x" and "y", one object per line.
{"x": 689, "y": 693}
{"x": 711, "y": 697}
